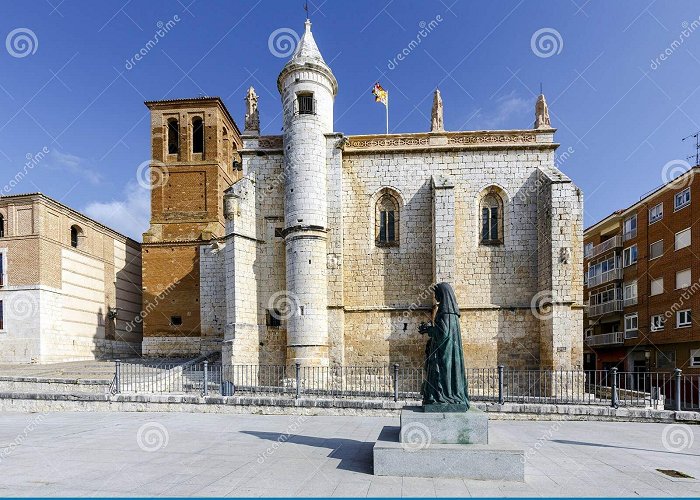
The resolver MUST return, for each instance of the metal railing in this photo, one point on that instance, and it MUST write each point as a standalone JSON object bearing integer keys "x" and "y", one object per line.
{"x": 605, "y": 308}
{"x": 611, "y": 338}
{"x": 587, "y": 387}
{"x": 614, "y": 242}
{"x": 610, "y": 275}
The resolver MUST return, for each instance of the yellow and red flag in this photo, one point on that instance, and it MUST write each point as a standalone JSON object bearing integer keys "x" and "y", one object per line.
{"x": 380, "y": 95}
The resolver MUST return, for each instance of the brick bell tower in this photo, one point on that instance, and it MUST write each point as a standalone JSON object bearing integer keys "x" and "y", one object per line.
{"x": 195, "y": 145}
{"x": 308, "y": 89}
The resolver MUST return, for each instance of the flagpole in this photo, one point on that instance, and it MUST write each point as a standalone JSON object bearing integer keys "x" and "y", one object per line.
{"x": 387, "y": 115}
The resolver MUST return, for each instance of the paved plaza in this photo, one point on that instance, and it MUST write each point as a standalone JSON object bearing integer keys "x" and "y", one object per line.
{"x": 179, "y": 454}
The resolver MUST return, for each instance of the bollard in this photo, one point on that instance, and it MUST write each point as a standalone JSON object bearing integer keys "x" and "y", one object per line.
{"x": 205, "y": 381}
{"x": 613, "y": 387}
{"x": 677, "y": 376}
{"x": 117, "y": 376}
{"x": 298, "y": 369}
{"x": 501, "y": 399}
{"x": 396, "y": 382}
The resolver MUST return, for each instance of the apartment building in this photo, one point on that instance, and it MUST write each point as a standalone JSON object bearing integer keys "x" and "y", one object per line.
{"x": 642, "y": 283}
{"x": 70, "y": 288}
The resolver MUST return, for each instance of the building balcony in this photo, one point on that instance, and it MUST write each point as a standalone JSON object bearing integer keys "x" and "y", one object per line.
{"x": 614, "y": 338}
{"x": 606, "y": 246}
{"x": 599, "y": 279}
{"x": 611, "y": 306}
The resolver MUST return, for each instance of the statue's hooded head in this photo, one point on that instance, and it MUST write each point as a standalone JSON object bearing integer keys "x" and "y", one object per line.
{"x": 445, "y": 297}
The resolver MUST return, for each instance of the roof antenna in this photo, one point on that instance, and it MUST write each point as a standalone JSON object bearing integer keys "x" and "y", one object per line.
{"x": 541, "y": 88}
{"x": 696, "y": 136}
{"x": 306, "y": 8}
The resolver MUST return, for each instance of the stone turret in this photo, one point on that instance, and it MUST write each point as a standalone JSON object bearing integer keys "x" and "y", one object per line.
{"x": 308, "y": 90}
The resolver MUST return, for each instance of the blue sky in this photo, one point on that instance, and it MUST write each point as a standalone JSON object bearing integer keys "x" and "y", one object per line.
{"x": 67, "y": 87}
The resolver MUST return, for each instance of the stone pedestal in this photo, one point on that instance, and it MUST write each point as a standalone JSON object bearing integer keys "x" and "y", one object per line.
{"x": 467, "y": 427}
{"x": 445, "y": 445}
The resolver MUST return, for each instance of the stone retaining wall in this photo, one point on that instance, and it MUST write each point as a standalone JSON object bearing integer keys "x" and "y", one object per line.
{"x": 265, "y": 405}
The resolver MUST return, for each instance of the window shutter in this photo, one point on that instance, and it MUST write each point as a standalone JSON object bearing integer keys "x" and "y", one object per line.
{"x": 382, "y": 226}
{"x": 494, "y": 223}
{"x": 390, "y": 226}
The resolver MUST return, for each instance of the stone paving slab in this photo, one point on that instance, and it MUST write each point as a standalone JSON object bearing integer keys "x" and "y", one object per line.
{"x": 181, "y": 454}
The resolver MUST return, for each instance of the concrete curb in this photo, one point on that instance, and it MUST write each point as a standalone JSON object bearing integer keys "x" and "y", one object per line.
{"x": 270, "y": 405}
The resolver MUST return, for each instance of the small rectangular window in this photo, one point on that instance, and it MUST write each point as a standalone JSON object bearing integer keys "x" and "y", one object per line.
{"x": 683, "y": 319}
{"x": 656, "y": 213}
{"x": 2, "y": 317}
{"x": 630, "y": 294}
{"x": 2, "y": 269}
{"x": 630, "y": 255}
{"x": 657, "y": 286}
{"x": 279, "y": 233}
{"x": 629, "y": 228}
{"x": 175, "y": 320}
{"x": 587, "y": 249}
{"x": 681, "y": 199}
{"x": 274, "y": 318}
{"x": 657, "y": 322}
{"x": 656, "y": 249}
{"x": 683, "y": 279}
{"x": 695, "y": 357}
{"x": 631, "y": 322}
{"x": 306, "y": 104}
{"x": 683, "y": 239}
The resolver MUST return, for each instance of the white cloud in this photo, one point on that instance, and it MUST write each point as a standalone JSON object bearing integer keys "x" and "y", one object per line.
{"x": 129, "y": 216}
{"x": 509, "y": 113}
{"x": 73, "y": 164}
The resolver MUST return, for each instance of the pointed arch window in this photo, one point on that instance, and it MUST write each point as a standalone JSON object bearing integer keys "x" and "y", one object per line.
{"x": 491, "y": 215}
{"x": 387, "y": 220}
{"x": 197, "y": 135}
{"x": 173, "y": 136}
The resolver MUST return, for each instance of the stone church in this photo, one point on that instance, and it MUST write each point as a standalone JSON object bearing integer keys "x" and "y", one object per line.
{"x": 323, "y": 249}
